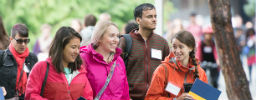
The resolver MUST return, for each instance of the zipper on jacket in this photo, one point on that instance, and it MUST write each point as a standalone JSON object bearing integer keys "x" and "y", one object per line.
{"x": 68, "y": 85}
{"x": 146, "y": 65}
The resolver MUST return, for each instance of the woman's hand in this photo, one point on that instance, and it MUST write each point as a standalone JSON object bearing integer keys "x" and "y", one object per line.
{"x": 4, "y": 91}
{"x": 185, "y": 96}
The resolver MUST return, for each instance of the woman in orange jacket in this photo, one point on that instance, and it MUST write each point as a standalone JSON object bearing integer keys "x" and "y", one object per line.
{"x": 178, "y": 69}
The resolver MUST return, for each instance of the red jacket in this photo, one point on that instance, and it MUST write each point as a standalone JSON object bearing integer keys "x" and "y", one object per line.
{"x": 57, "y": 87}
{"x": 176, "y": 75}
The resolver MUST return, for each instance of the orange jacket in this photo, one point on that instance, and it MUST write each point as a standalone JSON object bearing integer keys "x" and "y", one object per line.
{"x": 176, "y": 76}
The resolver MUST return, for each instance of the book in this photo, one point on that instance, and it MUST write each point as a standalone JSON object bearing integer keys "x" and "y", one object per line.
{"x": 203, "y": 91}
{"x": 1, "y": 94}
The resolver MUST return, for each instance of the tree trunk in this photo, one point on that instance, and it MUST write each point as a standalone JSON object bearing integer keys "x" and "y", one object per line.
{"x": 235, "y": 79}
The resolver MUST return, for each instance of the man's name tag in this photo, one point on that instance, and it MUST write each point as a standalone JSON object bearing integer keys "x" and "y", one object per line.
{"x": 172, "y": 89}
{"x": 157, "y": 54}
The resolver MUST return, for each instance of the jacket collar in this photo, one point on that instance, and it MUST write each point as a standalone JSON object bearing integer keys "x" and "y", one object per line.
{"x": 138, "y": 36}
{"x": 97, "y": 56}
{"x": 171, "y": 61}
{"x": 49, "y": 60}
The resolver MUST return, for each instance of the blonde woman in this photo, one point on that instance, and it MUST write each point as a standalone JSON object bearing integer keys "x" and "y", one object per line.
{"x": 105, "y": 68}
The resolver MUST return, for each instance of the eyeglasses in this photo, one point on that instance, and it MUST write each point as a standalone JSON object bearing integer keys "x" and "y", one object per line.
{"x": 20, "y": 41}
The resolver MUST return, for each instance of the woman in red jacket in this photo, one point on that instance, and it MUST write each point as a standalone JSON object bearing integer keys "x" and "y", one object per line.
{"x": 66, "y": 79}
{"x": 178, "y": 69}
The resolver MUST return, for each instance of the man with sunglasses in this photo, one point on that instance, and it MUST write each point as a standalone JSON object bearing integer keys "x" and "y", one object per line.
{"x": 16, "y": 63}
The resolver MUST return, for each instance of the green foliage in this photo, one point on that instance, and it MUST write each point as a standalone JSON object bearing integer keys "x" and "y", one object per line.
{"x": 250, "y": 8}
{"x": 57, "y": 13}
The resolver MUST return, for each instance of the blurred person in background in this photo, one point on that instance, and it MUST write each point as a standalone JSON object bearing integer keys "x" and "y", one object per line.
{"x": 64, "y": 77}
{"x": 207, "y": 55}
{"x": 194, "y": 27}
{"x": 76, "y": 25}
{"x": 250, "y": 50}
{"x": 16, "y": 63}
{"x": 42, "y": 45}
{"x": 105, "y": 17}
{"x": 240, "y": 37}
{"x": 4, "y": 40}
{"x": 130, "y": 26}
{"x": 89, "y": 23}
{"x": 174, "y": 27}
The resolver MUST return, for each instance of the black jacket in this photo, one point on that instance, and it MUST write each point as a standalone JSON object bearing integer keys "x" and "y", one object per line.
{"x": 8, "y": 70}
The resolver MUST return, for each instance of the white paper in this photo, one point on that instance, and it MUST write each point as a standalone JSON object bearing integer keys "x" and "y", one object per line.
{"x": 208, "y": 49}
{"x": 25, "y": 68}
{"x": 172, "y": 89}
{"x": 156, "y": 54}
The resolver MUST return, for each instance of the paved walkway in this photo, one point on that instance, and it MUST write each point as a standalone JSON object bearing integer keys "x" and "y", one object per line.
{"x": 252, "y": 86}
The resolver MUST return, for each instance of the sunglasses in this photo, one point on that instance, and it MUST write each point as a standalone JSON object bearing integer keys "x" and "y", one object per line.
{"x": 20, "y": 41}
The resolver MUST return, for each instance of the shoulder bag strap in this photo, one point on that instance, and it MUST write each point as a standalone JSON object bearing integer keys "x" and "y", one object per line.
{"x": 45, "y": 79}
{"x": 166, "y": 77}
{"x": 107, "y": 82}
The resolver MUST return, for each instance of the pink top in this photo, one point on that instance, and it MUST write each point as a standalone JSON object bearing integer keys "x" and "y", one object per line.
{"x": 98, "y": 70}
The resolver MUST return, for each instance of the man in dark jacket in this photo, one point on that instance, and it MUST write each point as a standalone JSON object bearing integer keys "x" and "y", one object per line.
{"x": 16, "y": 63}
{"x": 147, "y": 51}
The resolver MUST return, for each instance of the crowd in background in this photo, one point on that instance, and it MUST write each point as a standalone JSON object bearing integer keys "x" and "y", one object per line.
{"x": 99, "y": 39}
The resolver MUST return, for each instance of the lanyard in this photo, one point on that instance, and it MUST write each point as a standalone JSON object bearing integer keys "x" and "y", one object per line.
{"x": 107, "y": 82}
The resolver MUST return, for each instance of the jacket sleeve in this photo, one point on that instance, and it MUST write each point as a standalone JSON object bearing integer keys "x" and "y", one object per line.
{"x": 199, "y": 52}
{"x": 35, "y": 81}
{"x": 125, "y": 95}
{"x": 156, "y": 89}
{"x": 203, "y": 75}
{"x": 88, "y": 93}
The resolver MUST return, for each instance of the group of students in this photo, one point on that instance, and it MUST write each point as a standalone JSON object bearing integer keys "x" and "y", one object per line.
{"x": 97, "y": 71}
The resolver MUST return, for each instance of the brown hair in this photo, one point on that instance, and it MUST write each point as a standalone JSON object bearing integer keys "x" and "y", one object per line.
{"x": 61, "y": 39}
{"x": 90, "y": 20}
{"x": 188, "y": 39}
{"x": 20, "y": 29}
{"x": 4, "y": 40}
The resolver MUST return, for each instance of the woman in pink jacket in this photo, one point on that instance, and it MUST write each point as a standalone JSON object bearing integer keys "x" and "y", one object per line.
{"x": 62, "y": 73}
{"x": 103, "y": 62}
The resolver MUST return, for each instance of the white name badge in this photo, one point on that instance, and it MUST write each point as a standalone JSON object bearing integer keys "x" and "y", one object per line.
{"x": 156, "y": 54}
{"x": 172, "y": 89}
{"x": 25, "y": 68}
{"x": 208, "y": 49}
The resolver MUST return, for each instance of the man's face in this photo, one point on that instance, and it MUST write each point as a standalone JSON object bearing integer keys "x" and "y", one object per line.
{"x": 147, "y": 20}
{"x": 20, "y": 43}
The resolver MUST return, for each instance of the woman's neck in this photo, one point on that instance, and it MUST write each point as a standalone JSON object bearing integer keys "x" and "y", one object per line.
{"x": 185, "y": 62}
{"x": 65, "y": 64}
{"x": 106, "y": 55}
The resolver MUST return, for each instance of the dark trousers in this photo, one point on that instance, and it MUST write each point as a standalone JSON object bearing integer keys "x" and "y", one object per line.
{"x": 214, "y": 74}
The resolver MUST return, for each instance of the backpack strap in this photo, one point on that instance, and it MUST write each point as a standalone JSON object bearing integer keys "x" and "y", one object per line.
{"x": 98, "y": 96}
{"x": 45, "y": 79}
{"x": 166, "y": 77}
{"x": 128, "y": 46}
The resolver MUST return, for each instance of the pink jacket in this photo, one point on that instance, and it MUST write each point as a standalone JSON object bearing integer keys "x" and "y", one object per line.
{"x": 98, "y": 71}
{"x": 56, "y": 87}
